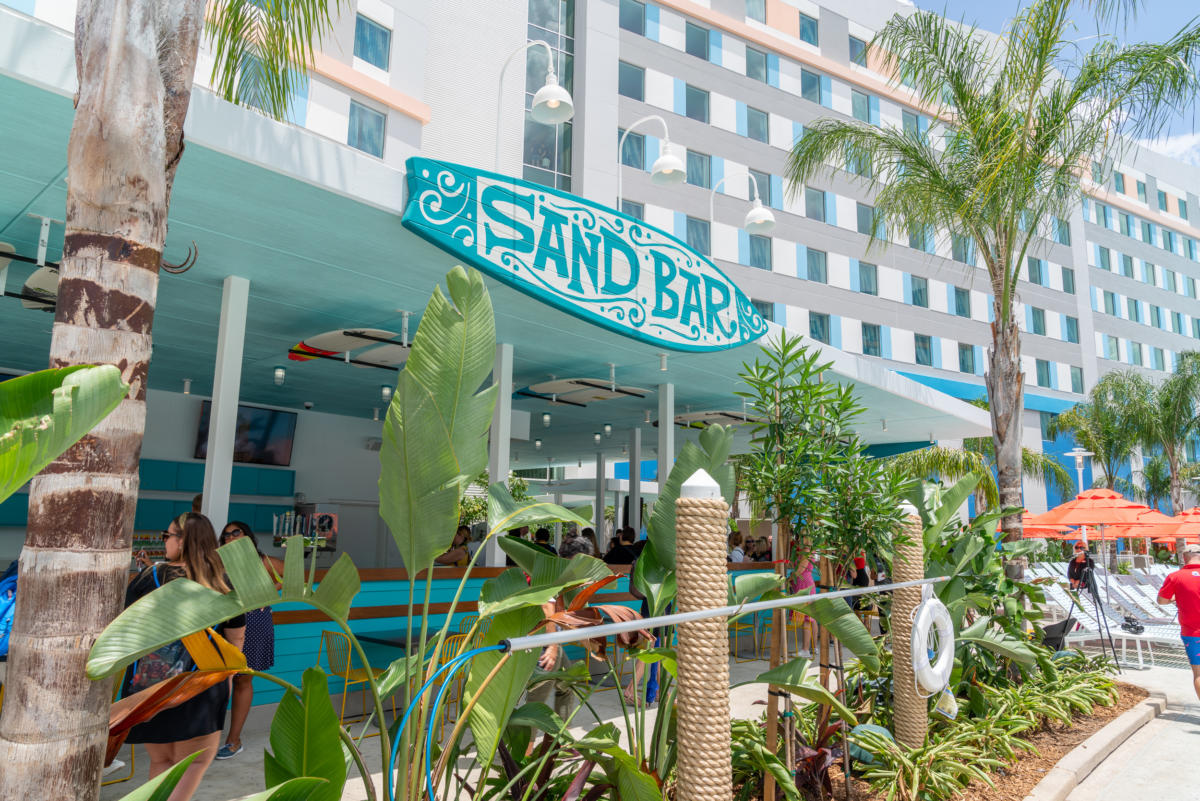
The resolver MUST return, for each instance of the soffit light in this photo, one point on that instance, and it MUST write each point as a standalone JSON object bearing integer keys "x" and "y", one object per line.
{"x": 385, "y": 393}
{"x": 187, "y": 386}
{"x": 280, "y": 376}
{"x": 545, "y": 419}
{"x": 608, "y": 430}
{"x": 537, "y": 444}
{"x": 596, "y": 437}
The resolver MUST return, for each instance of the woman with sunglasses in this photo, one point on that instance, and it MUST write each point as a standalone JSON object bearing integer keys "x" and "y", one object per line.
{"x": 259, "y": 647}
{"x": 196, "y": 724}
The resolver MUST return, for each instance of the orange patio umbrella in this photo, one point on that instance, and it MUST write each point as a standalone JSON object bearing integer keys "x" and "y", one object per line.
{"x": 1031, "y": 530}
{"x": 1093, "y": 507}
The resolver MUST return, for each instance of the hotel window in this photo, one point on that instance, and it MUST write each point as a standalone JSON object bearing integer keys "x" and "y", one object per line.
{"x": 1135, "y": 353}
{"x": 814, "y": 204}
{"x": 1169, "y": 282}
{"x": 367, "y": 128}
{"x": 1177, "y": 322}
{"x": 1147, "y": 233}
{"x": 1043, "y": 372}
{"x": 1077, "y": 380}
{"x": 1162, "y": 200}
{"x": 633, "y": 16}
{"x": 860, "y": 106}
{"x": 1110, "y": 303}
{"x": 1191, "y": 249}
{"x": 919, "y": 295}
{"x": 808, "y": 29}
{"x": 962, "y": 302}
{"x": 1156, "y": 316}
{"x": 1105, "y": 258}
{"x": 1112, "y": 347}
{"x": 1062, "y": 231}
{"x": 1097, "y": 172}
{"x": 635, "y": 210}
{"x": 1126, "y": 224}
{"x": 858, "y": 51}
{"x": 871, "y": 336}
{"x": 1034, "y": 266}
{"x": 962, "y": 249}
{"x": 696, "y": 41}
{"x": 817, "y": 266}
{"x": 765, "y": 309}
{"x": 866, "y": 218}
{"x": 1134, "y": 308}
{"x": 1158, "y": 359}
{"x": 756, "y": 124}
{"x": 909, "y": 123}
{"x": 631, "y": 80}
{"x": 1119, "y": 182}
{"x": 698, "y": 235}
{"x": 756, "y": 64}
{"x": 756, "y": 10}
{"x": 810, "y": 86}
{"x": 1151, "y": 273}
{"x": 966, "y": 358}
{"x": 548, "y": 151}
{"x": 868, "y": 278}
{"x": 760, "y": 252}
{"x": 859, "y": 165}
{"x": 633, "y": 151}
{"x": 1183, "y": 208}
{"x": 696, "y": 100}
{"x": 699, "y": 169}
{"x": 1168, "y": 240}
{"x": 1189, "y": 286}
{"x": 1141, "y": 191}
{"x": 818, "y": 327}
{"x": 1127, "y": 265}
{"x": 1037, "y": 320}
{"x": 1068, "y": 276}
{"x": 372, "y": 42}
{"x": 1071, "y": 329}
{"x": 762, "y": 182}
{"x": 1196, "y": 327}
{"x": 923, "y": 345}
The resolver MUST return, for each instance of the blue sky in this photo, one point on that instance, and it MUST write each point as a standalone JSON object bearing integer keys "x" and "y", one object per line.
{"x": 1156, "y": 20}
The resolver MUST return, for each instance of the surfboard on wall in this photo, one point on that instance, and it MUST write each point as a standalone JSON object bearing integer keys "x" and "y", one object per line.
{"x": 372, "y": 343}
{"x": 586, "y": 390}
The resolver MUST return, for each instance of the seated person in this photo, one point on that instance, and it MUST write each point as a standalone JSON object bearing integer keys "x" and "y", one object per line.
{"x": 541, "y": 538}
{"x": 623, "y": 551}
{"x": 458, "y": 555}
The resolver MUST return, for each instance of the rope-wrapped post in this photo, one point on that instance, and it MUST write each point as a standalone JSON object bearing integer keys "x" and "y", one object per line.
{"x": 911, "y": 710}
{"x": 702, "y": 702}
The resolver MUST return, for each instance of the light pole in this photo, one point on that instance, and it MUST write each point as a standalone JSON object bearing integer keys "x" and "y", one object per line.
{"x": 552, "y": 103}
{"x": 667, "y": 169}
{"x": 759, "y": 220}
{"x": 1080, "y": 454}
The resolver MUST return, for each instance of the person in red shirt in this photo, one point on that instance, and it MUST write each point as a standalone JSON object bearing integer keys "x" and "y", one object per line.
{"x": 1183, "y": 589}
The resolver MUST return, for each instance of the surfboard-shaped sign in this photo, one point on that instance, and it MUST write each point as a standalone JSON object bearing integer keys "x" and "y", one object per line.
{"x": 581, "y": 257}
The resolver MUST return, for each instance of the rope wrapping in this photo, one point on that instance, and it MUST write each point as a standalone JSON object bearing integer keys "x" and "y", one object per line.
{"x": 911, "y": 710}
{"x": 705, "y": 771}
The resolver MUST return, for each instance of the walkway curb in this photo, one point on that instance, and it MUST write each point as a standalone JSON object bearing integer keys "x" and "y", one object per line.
{"x": 1083, "y": 758}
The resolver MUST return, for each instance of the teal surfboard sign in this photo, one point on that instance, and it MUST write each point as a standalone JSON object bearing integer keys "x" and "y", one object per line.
{"x": 588, "y": 260}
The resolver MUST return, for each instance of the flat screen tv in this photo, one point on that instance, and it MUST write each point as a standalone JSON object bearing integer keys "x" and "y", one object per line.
{"x": 263, "y": 436}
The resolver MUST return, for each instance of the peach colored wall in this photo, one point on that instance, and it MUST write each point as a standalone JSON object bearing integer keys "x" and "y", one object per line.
{"x": 344, "y": 74}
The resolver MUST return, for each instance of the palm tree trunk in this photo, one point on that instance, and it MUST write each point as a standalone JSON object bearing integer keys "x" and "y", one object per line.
{"x": 1006, "y": 387}
{"x": 135, "y": 62}
{"x": 1176, "y": 495}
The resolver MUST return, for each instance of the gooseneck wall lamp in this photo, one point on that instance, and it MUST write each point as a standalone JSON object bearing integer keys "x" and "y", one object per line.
{"x": 759, "y": 220}
{"x": 667, "y": 169}
{"x": 552, "y": 103}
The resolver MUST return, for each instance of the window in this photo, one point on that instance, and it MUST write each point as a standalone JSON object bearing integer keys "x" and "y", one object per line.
{"x": 1158, "y": 359}
{"x": 1183, "y": 208}
{"x": 1045, "y": 420}
{"x": 1156, "y": 316}
{"x": 699, "y": 169}
{"x": 1062, "y": 231}
{"x": 757, "y": 11}
{"x": 1135, "y": 353}
{"x": 1112, "y": 347}
{"x": 1150, "y": 273}
{"x": 367, "y": 127}
{"x": 808, "y": 29}
{"x": 1037, "y": 320}
{"x": 631, "y": 81}
{"x": 1141, "y": 191}
{"x": 916, "y": 239}
{"x": 962, "y": 302}
{"x": 961, "y": 249}
{"x": 920, "y": 292}
{"x": 1126, "y": 224}
{"x": 1162, "y": 200}
{"x": 858, "y": 51}
{"x": 923, "y": 345}
{"x": 756, "y": 64}
{"x": 859, "y": 164}
{"x": 1169, "y": 240}
{"x": 1127, "y": 265}
{"x": 817, "y": 266}
{"x": 868, "y": 278}
{"x": 1110, "y": 303}
{"x": 698, "y": 235}
{"x": 810, "y": 86}
{"x": 756, "y": 124}
{"x": 1068, "y": 276}
{"x": 818, "y": 327}
{"x": 871, "y": 337}
{"x": 909, "y": 123}
{"x": 635, "y": 210}
{"x": 1169, "y": 281}
{"x": 633, "y": 16}
{"x": 814, "y": 204}
{"x": 765, "y": 309}
{"x": 633, "y": 151}
{"x": 966, "y": 358}
{"x": 762, "y": 183}
{"x": 1177, "y": 322}
{"x": 1147, "y": 233}
{"x": 372, "y": 42}
{"x": 1134, "y": 308}
{"x": 1035, "y": 270}
{"x": 1105, "y": 258}
{"x": 866, "y": 218}
{"x": 696, "y": 100}
{"x": 696, "y": 41}
{"x": 1043, "y": 372}
{"x": 548, "y": 149}
{"x": 1196, "y": 327}
{"x": 860, "y": 105}
{"x": 1071, "y": 329}
{"x": 1119, "y": 182}
{"x": 1097, "y": 172}
{"x": 1189, "y": 286}
{"x": 1077, "y": 380}
{"x": 760, "y": 252}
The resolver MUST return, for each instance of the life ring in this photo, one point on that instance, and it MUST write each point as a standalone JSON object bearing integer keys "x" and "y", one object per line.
{"x": 932, "y": 614}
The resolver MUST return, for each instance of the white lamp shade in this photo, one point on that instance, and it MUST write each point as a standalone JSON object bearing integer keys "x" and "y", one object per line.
{"x": 668, "y": 168}
{"x": 759, "y": 220}
{"x": 552, "y": 104}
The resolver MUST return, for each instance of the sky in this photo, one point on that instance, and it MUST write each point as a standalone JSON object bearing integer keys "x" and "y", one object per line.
{"x": 1156, "y": 20}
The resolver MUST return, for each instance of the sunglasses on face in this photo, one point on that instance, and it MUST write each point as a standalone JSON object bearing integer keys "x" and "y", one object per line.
{"x": 232, "y": 534}
{"x": 166, "y": 535}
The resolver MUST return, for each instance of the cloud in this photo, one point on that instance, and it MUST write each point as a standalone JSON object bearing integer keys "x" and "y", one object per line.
{"x": 1185, "y": 147}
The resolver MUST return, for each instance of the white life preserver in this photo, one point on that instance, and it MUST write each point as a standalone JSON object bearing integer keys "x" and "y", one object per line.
{"x": 932, "y": 614}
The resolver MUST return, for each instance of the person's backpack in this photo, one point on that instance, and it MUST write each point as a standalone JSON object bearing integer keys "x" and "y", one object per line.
{"x": 160, "y": 665}
{"x": 8, "y": 606}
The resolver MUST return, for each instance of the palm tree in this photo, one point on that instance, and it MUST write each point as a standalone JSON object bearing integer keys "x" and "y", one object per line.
{"x": 135, "y": 62}
{"x": 1109, "y": 423}
{"x": 1169, "y": 420}
{"x": 1018, "y": 118}
{"x": 1151, "y": 485}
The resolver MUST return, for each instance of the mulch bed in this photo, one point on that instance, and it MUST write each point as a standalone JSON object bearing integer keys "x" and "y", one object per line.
{"x": 1017, "y": 780}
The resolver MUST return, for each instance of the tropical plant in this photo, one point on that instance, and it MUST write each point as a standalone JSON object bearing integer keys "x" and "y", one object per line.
{"x": 1016, "y": 119}
{"x": 1108, "y": 423}
{"x": 937, "y": 770}
{"x": 1171, "y": 420}
{"x": 752, "y": 762}
{"x": 135, "y": 63}
{"x": 1152, "y": 484}
{"x": 472, "y": 507}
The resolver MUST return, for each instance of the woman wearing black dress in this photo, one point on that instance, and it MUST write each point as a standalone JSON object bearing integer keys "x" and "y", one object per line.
{"x": 196, "y": 724}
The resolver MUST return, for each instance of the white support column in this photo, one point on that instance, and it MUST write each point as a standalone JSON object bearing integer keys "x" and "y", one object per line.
{"x": 501, "y": 436}
{"x": 635, "y": 480}
{"x": 598, "y": 508}
{"x": 227, "y": 381}
{"x": 558, "y": 528}
{"x": 666, "y": 431}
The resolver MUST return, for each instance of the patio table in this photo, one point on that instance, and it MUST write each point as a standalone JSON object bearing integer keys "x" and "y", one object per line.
{"x": 393, "y": 638}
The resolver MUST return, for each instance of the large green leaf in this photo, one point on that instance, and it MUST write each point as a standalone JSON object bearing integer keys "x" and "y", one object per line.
{"x": 840, "y": 620}
{"x": 712, "y": 454}
{"x": 984, "y": 634}
{"x": 305, "y": 741}
{"x": 161, "y": 786}
{"x": 547, "y": 570}
{"x": 744, "y": 587}
{"x": 293, "y": 790}
{"x": 435, "y": 435}
{"x": 337, "y": 590}
{"x": 44, "y": 413}
{"x": 793, "y": 677}
{"x": 654, "y": 580}
{"x": 505, "y": 513}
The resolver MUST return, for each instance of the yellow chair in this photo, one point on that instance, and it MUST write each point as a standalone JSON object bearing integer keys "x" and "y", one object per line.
{"x": 336, "y": 647}
{"x": 466, "y": 622}
{"x": 794, "y": 624}
{"x": 739, "y": 627}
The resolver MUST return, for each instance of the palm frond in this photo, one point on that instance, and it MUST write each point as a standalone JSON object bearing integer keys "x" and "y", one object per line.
{"x": 1047, "y": 470}
{"x": 949, "y": 465}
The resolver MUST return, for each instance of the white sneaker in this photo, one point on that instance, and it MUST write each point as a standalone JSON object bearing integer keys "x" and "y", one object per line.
{"x": 114, "y": 767}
